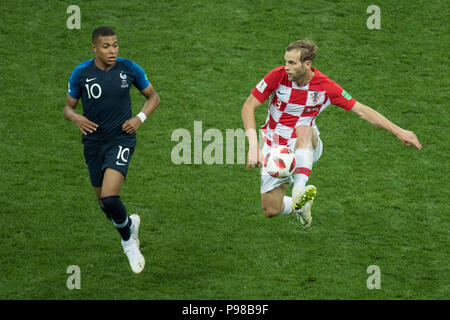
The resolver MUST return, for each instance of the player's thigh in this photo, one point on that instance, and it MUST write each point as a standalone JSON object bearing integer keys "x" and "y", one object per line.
{"x": 115, "y": 168}
{"x": 112, "y": 183}
{"x": 272, "y": 201}
{"x": 307, "y": 137}
{"x": 98, "y": 192}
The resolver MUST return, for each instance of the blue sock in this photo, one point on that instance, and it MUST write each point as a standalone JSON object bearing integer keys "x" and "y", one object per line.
{"x": 108, "y": 215}
{"x": 118, "y": 214}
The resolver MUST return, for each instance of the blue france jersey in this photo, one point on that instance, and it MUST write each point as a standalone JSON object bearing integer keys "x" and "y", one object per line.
{"x": 105, "y": 95}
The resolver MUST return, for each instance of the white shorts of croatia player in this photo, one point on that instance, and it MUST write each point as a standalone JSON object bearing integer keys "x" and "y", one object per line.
{"x": 269, "y": 183}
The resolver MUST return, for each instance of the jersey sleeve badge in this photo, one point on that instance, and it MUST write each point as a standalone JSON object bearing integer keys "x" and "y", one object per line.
{"x": 346, "y": 95}
{"x": 261, "y": 86}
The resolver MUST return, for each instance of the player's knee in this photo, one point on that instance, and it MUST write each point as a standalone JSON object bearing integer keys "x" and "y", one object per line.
{"x": 270, "y": 212}
{"x": 304, "y": 144}
{"x": 113, "y": 205}
{"x": 110, "y": 202}
{"x": 107, "y": 213}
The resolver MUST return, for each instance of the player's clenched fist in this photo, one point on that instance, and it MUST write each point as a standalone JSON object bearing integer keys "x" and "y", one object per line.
{"x": 254, "y": 158}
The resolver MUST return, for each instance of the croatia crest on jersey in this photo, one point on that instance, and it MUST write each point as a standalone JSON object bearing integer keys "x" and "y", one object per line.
{"x": 316, "y": 97}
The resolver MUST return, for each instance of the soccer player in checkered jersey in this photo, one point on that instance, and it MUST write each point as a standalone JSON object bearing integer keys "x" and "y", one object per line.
{"x": 297, "y": 94}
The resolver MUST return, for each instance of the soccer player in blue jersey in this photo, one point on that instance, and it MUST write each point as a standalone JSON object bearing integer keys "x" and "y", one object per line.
{"x": 109, "y": 130}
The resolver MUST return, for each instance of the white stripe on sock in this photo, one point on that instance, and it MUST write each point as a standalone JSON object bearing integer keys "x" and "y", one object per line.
{"x": 120, "y": 226}
{"x": 304, "y": 159}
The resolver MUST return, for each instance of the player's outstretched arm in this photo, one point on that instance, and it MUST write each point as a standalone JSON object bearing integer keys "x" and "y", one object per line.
{"x": 406, "y": 137}
{"x": 84, "y": 124}
{"x": 254, "y": 158}
{"x": 131, "y": 125}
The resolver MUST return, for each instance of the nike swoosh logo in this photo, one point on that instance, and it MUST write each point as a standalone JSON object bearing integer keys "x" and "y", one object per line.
{"x": 120, "y": 164}
{"x": 280, "y": 92}
{"x": 89, "y": 80}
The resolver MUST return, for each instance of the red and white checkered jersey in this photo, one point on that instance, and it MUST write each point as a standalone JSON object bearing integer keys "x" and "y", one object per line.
{"x": 291, "y": 106}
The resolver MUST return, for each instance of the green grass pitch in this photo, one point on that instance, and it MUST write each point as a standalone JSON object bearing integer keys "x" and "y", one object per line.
{"x": 203, "y": 232}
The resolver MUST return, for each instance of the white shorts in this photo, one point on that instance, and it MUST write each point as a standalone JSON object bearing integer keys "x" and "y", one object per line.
{"x": 269, "y": 183}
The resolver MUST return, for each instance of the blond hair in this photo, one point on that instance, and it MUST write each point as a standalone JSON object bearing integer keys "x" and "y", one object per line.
{"x": 307, "y": 49}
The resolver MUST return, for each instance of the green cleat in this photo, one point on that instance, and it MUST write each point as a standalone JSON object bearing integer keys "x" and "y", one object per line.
{"x": 303, "y": 200}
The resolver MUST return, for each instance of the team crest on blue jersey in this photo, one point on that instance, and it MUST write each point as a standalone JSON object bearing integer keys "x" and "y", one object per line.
{"x": 123, "y": 76}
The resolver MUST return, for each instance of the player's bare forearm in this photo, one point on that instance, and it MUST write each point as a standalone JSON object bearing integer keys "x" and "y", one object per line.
{"x": 69, "y": 113}
{"x": 248, "y": 119}
{"x": 151, "y": 104}
{"x": 130, "y": 126}
{"x": 373, "y": 117}
{"x": 84, "y": 124}
{"x": 370, "y": 115}
{"x": 250, "y": 128}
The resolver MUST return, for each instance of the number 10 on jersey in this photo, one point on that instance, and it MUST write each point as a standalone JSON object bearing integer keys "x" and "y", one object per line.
{"x": 93, "y": 93}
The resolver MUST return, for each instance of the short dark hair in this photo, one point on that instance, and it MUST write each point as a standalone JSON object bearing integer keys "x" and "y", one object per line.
{"x": 102, "y": 32}
{"x": 306, "y": 47}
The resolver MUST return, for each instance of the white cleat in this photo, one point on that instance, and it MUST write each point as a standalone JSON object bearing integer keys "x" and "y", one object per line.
{"x": 304, "y": 215}
{"x": 302, "y": 201}
{"x": 134, "y": 255}
{"x": 134, "y": 229}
